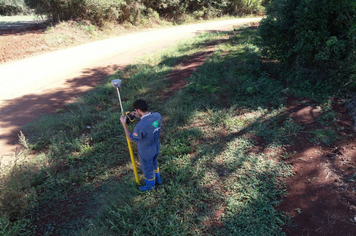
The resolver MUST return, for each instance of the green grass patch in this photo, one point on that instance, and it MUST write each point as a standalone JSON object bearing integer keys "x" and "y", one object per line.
{"x": 325, "y": 136}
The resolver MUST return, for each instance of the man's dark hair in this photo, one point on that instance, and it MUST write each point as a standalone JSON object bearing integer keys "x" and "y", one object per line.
{"x": 140, "y": 104}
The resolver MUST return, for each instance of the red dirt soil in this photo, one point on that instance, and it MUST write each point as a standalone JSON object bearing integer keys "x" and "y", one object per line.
{"x": 321, "y": 195}
{"x": 21, "y": 43}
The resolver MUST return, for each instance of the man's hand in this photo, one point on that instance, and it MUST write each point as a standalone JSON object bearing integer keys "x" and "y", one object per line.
{"x": 127, "y": 132}
{"x": 123, "y": 120}
{"x": 135, "y": 114}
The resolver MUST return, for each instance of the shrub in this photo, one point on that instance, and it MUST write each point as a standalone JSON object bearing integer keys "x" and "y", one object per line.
{"x": 96, "y": 11}
{"x": 313, "y": 35}
{"x": 13, "y": 7}
{"x": 246, "y": 7}
{"x": 17, "y": 197}
{"x": 99, "y": 11}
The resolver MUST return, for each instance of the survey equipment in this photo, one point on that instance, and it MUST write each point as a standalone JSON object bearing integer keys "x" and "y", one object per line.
{"x": 116, "y": 83}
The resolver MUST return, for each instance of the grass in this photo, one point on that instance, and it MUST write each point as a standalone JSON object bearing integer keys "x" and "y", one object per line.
{"x": 80, "y": 181}
{"x": 325, "y": 136}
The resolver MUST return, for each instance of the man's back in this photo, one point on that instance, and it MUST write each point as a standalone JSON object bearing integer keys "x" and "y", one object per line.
{"x": 148, "y": 130}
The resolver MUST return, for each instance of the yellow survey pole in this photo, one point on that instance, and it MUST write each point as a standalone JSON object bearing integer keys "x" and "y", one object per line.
{"x": 132, "y": 159}
{"x": 116, "y": 83}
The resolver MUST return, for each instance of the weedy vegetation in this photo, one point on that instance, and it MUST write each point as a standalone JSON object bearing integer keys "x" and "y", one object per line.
{"x": 222, "y": 160}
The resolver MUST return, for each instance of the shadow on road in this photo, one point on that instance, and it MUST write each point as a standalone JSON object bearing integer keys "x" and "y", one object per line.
{"x": 20, "y": 111}
{"x": 23, "y": 27}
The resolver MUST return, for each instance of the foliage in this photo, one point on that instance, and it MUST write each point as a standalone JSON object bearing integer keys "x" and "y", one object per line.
{"x": 20, "y": 227}
{"x": 265, "y": 2}
{"x": 325, "y": 136}
{"x": 13, "y": 7}
{"x": 246, "y": 6}
{"x": 313, "y": 36}
{"x": 132, "y": 11}
{"x": 94, "y": 10}
{"x": 17, "y": 197}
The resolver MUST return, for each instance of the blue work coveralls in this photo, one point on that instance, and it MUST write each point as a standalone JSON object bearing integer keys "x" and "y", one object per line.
{"x": 146, "y": 134}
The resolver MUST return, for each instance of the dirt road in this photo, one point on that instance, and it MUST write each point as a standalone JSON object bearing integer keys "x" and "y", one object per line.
{"x": 41, "y": 84}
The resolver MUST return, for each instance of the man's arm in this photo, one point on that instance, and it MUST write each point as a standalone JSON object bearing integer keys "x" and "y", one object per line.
{"x": 123, "y": 122}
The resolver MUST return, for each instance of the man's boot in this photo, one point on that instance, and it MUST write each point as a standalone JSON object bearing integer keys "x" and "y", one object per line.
{"x": 158, "y": 177}
{"x": 150, "y": 185}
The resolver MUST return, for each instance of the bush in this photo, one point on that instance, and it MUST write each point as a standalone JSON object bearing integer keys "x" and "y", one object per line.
{"x": 96, "y": 11}
{"x": 99, "y": 11}
{"x": 246, "y": 7}
{"x": 17, "y": 197}
{"x": 312, "y": 35}
{"x": 13, "y": 7}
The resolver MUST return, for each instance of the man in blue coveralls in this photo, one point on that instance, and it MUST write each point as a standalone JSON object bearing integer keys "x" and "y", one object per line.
{"x": 146, "y": 134}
